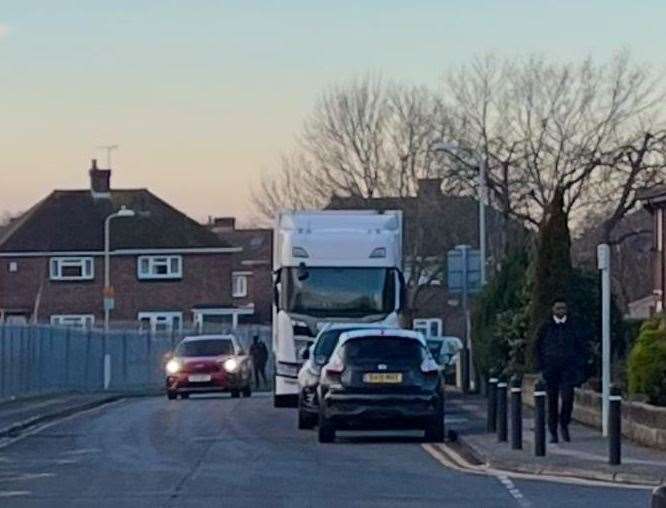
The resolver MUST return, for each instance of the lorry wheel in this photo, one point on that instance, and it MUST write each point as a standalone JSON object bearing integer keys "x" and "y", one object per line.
{"x": 235, "y": 394}
{"x": 185, "y": 395}
{"x": 434, "y": 431}
{"x": 326, "y": 430}
{"x": 306, "y": 421}
{"x": 171, "y": 395}
{"x": 285, "y": 400}
{"x": 247, "y": 391}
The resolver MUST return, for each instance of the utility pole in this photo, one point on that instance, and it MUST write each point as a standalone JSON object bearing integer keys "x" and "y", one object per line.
{"x": 109, "y": 149}
{"x": 603, "y": 261}
{"x": 483, "y": 197}
{"x": 465, "y": 353}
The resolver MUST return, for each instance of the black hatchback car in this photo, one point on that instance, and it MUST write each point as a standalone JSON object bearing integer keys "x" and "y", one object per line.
{"x": 381, "y": 379}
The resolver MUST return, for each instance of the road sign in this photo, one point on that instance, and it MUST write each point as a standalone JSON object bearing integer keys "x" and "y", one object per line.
{"x": 109, "y": 292}
{"x": 109, "y": 303}
{"x": 456, "y": 271}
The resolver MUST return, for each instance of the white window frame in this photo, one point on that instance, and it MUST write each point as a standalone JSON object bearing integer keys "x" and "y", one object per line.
{"x": 73, "y": 320}
{"x": 155, "y": 317}
{"x": 426, "y": 324}
{"x": 87, "y": 265}
{"x": 239, "y": 284}
{"x": 154, "y": 261}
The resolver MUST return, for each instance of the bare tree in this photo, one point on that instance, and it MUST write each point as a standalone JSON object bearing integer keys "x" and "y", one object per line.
{"x": 542, "y": 126}
{"x": 290, "y": 188}
{"x": 364, "y": 139}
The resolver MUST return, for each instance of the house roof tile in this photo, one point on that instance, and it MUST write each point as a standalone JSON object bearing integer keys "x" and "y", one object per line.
{"x": 73, "y": 220}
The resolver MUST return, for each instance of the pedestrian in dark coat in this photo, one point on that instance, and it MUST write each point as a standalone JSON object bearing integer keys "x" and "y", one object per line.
{"x": 259, "y": 354}
{"x": 561, "y": 355}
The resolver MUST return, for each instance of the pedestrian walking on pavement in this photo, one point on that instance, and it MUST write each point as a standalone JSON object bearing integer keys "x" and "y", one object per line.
{"x": 259, "y": 354}
{"x": 561, "y": 355}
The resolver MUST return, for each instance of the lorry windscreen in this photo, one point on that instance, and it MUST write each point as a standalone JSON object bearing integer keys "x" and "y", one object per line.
{"x": 341, "y": 291}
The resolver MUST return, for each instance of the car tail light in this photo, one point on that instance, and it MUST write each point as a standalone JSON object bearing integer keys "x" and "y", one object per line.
{"x": 429, "y": 366}
{"x": 335, "y": 367}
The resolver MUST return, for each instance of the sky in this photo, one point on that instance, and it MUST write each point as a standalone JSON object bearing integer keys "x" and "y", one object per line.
{"x": 202, "y": 97}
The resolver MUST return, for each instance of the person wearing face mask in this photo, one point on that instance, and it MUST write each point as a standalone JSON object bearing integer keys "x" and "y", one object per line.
{"x": 561, "y": 359}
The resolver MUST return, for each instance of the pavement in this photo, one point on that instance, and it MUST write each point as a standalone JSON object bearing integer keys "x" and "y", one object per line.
{"x": 216, "y": 451}
{"x": 22, "y": 414}
{"x": 586, "y": 456}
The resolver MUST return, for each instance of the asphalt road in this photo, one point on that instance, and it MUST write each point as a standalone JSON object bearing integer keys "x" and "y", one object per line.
{"x": 217, "y": 451}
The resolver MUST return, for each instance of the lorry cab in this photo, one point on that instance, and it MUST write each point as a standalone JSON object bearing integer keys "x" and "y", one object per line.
{"x": 331, "y": 266}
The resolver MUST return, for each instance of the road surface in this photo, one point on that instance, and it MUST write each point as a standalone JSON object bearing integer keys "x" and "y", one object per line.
{"x": 218, "y": 451}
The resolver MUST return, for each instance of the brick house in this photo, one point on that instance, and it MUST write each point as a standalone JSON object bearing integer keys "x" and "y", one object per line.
{"x": 435, "y": 223}
{"x": 252, "y": 268}
{"x": 655, "y": 202}
{"x": 167, "y": 270}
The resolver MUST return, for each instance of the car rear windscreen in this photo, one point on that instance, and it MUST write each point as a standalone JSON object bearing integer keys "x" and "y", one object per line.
{"x": 208, "y": 347}
{"x": 384, "y": 349}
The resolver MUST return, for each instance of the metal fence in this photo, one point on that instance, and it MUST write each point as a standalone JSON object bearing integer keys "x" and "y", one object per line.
{"x": 38, "y": 359}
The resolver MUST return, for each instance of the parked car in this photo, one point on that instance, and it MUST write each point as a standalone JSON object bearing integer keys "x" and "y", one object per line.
{"x": 208, "y": 363}
{"x": 381, "y": 379}
{"x": 315, "y": 358}
{"x": 444, "y": 350}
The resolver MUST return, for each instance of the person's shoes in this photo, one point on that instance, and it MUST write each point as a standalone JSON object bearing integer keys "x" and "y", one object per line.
{"x": 553, "y": 438}
{"x": 565, "y": 433}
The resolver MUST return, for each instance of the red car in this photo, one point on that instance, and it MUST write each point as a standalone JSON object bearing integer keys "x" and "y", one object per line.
{"x": 208, "y": 363}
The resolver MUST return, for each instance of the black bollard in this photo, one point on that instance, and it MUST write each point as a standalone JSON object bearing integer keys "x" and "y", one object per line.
{"x": 540, "y": 419}
{"x": 614, "y": 426}
{"x": 464, "y": 360}
{"x": 502, "y": 431}
{"x": 516, "y": 413}
{"x": 659, "y": 497}
{"x": 491, "y": 419}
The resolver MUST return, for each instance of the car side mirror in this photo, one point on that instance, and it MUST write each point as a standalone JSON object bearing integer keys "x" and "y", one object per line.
{"x": 306, "y": 354}
{"x": 302, "y": 273}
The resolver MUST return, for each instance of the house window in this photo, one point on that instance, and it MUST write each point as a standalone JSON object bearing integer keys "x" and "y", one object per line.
{"x": 161, "y": 321}
{"x": 73, "y": 320}
{"x": 160, "y": 267}
{"x": 71, "y": 268}
{"x": 429, "y": 327}
{"x": 239, "y": 284}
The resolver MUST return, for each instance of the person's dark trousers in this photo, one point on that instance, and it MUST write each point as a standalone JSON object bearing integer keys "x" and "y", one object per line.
{"x": 557, "y": 385}
{"x": 259, "y": 371}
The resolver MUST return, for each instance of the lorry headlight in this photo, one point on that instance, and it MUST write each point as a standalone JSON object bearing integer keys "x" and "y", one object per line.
{"x": 173, "y": 366}
{"x": 231, "y": 365}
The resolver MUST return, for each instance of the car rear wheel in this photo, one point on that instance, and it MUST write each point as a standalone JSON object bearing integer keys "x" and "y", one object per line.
{"x": 184, "y": 395}
{"x": 434, "y": 431}
{"x": 326, "y": 430}
{"x": 247, "y": 391}
{"x": 235, "y": 394}
{"x": 171, "y": 395}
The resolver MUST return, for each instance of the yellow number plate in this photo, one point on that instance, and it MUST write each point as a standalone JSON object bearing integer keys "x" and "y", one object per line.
{"x": 388, "y": 377}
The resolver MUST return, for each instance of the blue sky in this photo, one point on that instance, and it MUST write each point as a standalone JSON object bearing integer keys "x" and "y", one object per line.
{"x": 202, "y": 96}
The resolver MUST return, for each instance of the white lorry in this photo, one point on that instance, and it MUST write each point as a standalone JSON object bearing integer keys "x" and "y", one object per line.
{"x": 331, "y": 266}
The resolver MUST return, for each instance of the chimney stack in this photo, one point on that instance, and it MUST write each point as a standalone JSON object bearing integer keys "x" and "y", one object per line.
{"x": 223, "y": 224}
{"x": 430, "y": 187}
{"x": 100, "y": 181}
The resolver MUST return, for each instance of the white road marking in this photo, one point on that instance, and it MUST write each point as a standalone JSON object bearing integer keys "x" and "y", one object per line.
{"x": 14, "y": 493}
{"x": 461, "y": 465}
{"x": 513, "y": 490}
{"x": 25, "y": 477}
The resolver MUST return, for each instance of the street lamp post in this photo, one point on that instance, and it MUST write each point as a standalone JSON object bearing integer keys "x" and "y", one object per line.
{"x": 123, "y": 212}
{"x": 483, "y": 197}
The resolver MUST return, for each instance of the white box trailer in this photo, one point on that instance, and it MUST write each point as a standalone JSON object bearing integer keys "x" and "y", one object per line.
{"x": 331, "y": 266}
